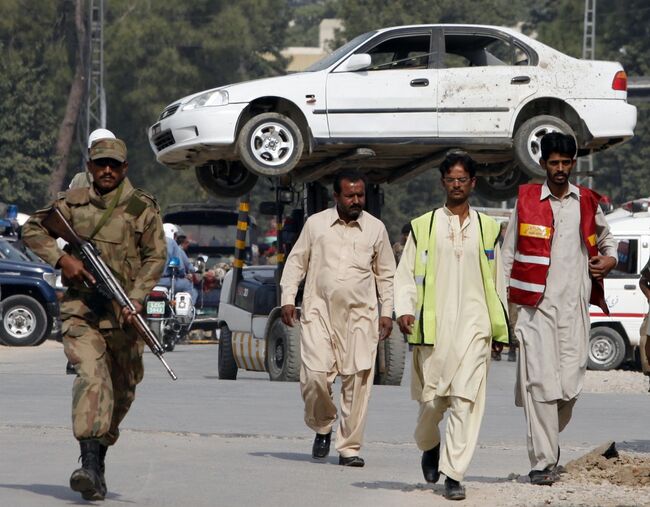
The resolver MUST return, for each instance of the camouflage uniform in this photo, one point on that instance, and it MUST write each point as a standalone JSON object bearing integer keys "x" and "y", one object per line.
{"x": 108, "y": 360}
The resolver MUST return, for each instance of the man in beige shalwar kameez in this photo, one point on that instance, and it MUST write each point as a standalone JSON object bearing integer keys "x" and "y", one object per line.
{"x": 549, "y": 270}
{"x": 449, "y": 295}
{"x": 346, "y": 256}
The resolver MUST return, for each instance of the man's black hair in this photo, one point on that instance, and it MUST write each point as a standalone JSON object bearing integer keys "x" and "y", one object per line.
{"x": 458, "y": 158}
{"x": 557, "y": 142}
{"x": 406, "y": 228}
{"x": 351, "y": 175}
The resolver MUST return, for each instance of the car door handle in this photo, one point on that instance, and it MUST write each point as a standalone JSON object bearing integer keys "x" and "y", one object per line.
{"x": 420, "y": 82}
{"x": 629, "y": 286}
{"x": 520, "y": 80}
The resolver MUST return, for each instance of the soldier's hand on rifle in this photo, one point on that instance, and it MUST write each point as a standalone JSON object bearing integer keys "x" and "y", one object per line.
{"x": 128, "y": 315}
{"x": 385, "y": 327}
{"x": 406, "y": 323}
{"x": 72, "y": 270}
{"x": 289, "y": 315}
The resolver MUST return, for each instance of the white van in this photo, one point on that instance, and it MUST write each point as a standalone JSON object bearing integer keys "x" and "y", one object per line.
{"x": 615, "y": 338}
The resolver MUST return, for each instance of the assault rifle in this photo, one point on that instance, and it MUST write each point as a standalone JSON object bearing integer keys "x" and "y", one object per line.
{"x": 105, "y": 282}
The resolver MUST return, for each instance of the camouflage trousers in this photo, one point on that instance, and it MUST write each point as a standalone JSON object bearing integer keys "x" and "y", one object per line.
{"x": 109, "y": 366}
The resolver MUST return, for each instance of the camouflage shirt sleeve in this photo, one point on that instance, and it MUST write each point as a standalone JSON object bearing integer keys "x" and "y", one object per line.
{"x": 153, "y": 253}
{"x": 36, "y": 237}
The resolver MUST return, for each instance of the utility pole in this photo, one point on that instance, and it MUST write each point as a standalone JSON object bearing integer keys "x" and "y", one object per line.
{"x": 94, "y": 114}
{"x": 586, "y": 164}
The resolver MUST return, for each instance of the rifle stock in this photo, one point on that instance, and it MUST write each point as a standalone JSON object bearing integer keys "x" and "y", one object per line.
{"x": 106, "y": 284}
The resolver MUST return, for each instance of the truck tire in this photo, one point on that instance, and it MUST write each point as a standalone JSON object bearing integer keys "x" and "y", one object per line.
{"x": 226, "y": 360}
{"x": 606, "y": 349}
{"x": 527, "y": 142}
{"x": 24, "y": 321}
{"x": 225, "y": 179}
{"x": 270, "y": 144}
{"x": 283, "y": 352}
{"x": 395, "y": 348}
{"x": 501, "y": 187}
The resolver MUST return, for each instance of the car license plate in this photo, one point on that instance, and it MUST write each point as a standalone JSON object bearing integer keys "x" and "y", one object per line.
{"x": 155, "y": 307}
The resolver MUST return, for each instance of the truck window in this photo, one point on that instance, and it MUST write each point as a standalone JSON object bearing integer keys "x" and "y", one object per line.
{"x": 628, "y": 265}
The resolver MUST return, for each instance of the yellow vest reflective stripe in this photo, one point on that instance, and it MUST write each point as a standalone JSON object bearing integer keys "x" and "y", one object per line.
{"x": 424, "y": 328}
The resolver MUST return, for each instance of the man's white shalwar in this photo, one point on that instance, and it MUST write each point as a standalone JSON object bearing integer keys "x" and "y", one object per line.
{"x": 452, "y": 373}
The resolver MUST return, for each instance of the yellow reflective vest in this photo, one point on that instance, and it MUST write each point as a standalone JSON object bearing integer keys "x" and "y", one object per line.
{"x": 424, "y": 328}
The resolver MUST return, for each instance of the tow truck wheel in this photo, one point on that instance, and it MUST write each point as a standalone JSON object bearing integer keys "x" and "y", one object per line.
{"x": 283, "y": 352}
{"x": 606, "y": 349}
{"x": 24, "y": 322}
{"x": 226, "y": 360}
{"x": 394, "y": 357}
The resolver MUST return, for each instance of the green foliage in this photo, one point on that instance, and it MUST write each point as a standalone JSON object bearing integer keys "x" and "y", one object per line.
{"x": 159, "y": 52}
{"x": 28, "y": 126}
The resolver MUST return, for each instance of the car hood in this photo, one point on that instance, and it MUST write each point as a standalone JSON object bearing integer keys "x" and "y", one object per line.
{"x": 238, "y": 91}
{"x": 16, "y": 268}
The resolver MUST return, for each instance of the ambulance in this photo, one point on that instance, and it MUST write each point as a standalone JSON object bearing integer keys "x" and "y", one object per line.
{"x": 614, "y": 338}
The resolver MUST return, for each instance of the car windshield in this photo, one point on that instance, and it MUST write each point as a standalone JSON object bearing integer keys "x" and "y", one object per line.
{"x": 9, "y": 252}
{"x": 337, "y": 54}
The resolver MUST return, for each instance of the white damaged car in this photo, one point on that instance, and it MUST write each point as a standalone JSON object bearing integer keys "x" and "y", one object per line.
{"x": 392, "y": 102}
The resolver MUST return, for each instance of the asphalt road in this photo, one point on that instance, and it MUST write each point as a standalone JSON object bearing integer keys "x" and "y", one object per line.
{"x": 201, "y": 441}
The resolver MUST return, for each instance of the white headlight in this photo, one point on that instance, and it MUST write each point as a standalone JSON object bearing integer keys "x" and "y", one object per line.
{"x": 213, "y": 98}
{"x": 50, "y": 278}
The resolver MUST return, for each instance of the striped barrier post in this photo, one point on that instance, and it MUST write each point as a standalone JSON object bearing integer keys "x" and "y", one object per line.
{"x": 240, "y": 244}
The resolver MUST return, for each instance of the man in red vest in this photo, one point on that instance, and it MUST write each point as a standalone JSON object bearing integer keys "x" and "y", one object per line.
{"x": 556, "y": 252}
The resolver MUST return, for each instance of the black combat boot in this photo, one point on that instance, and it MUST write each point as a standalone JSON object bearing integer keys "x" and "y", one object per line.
{"x": 102, "y": 467}
{"x": 86, "y": 480}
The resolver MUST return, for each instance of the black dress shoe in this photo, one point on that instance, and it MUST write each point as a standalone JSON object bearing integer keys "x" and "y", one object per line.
{"x": 351, "y": 461}
{"x": 321, "y": 447}
{"x": 454, "y": 490}
{"x": 544, "y": 477}
{"x": 430, "y": 461}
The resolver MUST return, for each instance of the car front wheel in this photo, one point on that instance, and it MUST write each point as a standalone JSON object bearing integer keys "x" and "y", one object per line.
{"x": 270, "y": 144}
{"x": 527, "y": 142}
{"x": 24, "y": 322}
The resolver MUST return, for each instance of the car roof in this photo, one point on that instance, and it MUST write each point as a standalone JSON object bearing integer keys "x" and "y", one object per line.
{"x": 202, "y": 214}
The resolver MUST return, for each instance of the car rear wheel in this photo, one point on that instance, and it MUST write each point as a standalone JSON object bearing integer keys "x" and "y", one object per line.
{"x": 224, "y": 178}
{"x": 528, "y": 139}
{"x": 226, "y": 360}
{"x": 606, "y": 349}
{"x": 270, "y": 144}
{"x": 501, "y": 187}
{"x": 283, "y": 352}
{"x": 24, "y": 322}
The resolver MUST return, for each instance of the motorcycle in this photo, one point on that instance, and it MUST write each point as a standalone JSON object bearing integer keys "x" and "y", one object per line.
{"x": 170, "y": 314}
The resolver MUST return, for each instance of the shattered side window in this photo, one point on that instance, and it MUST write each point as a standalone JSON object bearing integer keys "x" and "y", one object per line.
{"x": 480, "y": 50}
{"x": 409, "y": 52}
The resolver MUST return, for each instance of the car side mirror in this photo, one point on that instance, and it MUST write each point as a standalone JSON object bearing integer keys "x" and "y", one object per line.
{"x": 356, "y": 62}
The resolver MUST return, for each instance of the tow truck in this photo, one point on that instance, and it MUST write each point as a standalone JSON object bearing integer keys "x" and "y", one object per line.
{"x": 252, "y": 336}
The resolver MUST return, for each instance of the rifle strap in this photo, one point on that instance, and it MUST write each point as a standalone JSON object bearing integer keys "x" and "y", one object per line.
{"x": 109, "y": 211}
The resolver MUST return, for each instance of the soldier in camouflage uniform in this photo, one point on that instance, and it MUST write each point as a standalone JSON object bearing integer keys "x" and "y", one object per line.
{"x": 125, "y": 225}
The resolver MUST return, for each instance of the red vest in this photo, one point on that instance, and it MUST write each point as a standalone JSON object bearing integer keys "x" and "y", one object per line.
{"x": 535, "y": 234}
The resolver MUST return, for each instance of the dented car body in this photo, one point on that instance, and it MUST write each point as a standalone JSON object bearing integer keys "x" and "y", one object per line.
{"x": 392, "y": 102}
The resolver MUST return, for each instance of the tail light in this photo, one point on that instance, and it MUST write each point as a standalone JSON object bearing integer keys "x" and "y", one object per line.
{"x": 157, "y": 295}
{"x": 620, "y": 81}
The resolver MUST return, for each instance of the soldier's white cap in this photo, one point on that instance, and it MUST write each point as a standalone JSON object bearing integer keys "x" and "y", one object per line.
{"x": 99, "y": 134}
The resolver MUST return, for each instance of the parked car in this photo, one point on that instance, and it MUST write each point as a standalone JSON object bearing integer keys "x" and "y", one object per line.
{"x": 392, "y": 102}
{"x": 29, "y": 303}
{"x": 615, "y": 338}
